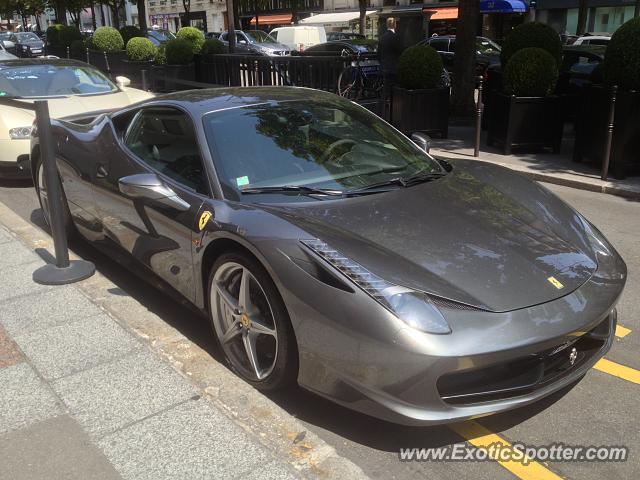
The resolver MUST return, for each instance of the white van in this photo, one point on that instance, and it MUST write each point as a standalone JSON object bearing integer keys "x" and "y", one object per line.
{"x": 299, "y": 37}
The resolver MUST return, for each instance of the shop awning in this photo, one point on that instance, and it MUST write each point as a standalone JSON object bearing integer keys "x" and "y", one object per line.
{"x": 281, "y": 19}
{"x": 327, "y": 18}
{"x": 503, "y": 6}
{"x": 447, "y": 13}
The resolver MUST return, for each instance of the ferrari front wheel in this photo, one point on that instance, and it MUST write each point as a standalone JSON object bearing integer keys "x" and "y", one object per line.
{"x": 251, "y": 322}
{"x": 45, "y": 201}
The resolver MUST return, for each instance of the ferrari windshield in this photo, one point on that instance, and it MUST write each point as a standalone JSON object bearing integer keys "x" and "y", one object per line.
{"x": 37, "y": 81}
{"x": 327, "y": 144}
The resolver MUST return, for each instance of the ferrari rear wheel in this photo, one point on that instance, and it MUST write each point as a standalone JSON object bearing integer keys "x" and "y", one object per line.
{"x": 251, "y": 322}
{"x": 43, "y": 198}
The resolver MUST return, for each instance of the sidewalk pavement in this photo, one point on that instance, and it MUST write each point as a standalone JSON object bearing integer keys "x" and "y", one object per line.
{"x": 545, "y": 167}
{"x": 85, "y": 394}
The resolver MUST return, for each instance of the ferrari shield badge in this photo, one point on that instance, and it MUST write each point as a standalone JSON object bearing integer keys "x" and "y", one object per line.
{"x": 555, "y": 282}
{"x": 204, "y": 218}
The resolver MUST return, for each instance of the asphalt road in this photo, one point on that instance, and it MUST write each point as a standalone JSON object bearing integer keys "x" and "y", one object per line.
{"x": 599, "y": 410}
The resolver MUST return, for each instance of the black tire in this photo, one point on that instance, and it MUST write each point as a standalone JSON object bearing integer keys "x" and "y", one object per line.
{"x": 69, "y": 227}
{"x": 285, "y": 369}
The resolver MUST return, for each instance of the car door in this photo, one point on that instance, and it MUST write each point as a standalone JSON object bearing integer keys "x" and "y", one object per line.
{"x": 157, "y": 142}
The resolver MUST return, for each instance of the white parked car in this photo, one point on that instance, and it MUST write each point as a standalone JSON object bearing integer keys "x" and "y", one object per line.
{"x": 592, "y": 40}
{"x": 70, "y": 87}
{"x": 299, "y": 37}
{"x": 4, "y": 55}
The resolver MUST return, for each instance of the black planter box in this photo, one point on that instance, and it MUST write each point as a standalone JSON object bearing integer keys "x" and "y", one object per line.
{"x": 167, "y": 78}
{"x": 133, "y": 71}
{"x": 591, "y": 131}
{"x": 57, "y": 50}
{"x": 421, "y": 110}
{"x": 525, "y": 122}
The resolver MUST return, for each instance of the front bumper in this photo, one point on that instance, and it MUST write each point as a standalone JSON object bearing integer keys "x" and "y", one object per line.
{"x": 365, "y": 359}
{"x": 14, "y": 159}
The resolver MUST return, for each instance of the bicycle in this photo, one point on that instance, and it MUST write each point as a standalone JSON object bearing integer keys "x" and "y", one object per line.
{"x": 360, "y": 79}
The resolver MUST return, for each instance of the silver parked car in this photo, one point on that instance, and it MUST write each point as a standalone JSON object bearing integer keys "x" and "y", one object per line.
{"x": 256, "y": 42}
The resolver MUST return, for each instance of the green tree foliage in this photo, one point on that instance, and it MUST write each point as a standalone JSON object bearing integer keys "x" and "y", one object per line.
{"x": 178, "y": 52}
{"x": 534, "y": 34}
{"x": 622, "y": 57}
{"x": 193, "y": 36}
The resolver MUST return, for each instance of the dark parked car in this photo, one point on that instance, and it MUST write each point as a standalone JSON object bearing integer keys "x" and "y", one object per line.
{"x": 333, "y": 36}
{"x": 342, "y": 47}
{"x": 212, "y": 35}
{"x": 329, "y": 250}
{"x": 578, "y": 71}
{"x": 28, "y": 44}
{"x": 256, "y": 42}
{"x": 159, "y": 36}
{"x": 487, "y": 51}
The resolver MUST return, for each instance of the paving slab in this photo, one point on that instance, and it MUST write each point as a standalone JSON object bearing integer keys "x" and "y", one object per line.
{"x": 193, "y": 440}
{"x": 24, "y": 398}
{"x": 66, "y": 349}
{"x": 9, "y": 352}
{"x": 17, "y": 281}
{"x": 14, "y": 253}
{"x": 43, "y": 309}
{"x": 109, "y": 396}
{"x": 5, "y": 236}
{"x": 38, "y": 453}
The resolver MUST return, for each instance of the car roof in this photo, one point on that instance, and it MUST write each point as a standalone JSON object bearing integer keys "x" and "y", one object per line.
{"x": 594, "y": 49}
{"x": 200, "y": 102}
{"x": 58, "y": 62}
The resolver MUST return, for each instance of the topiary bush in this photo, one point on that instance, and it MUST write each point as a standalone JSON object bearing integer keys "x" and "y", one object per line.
{"x": 419, "y": 67}
{"x": 622, "y": 57}
{"x": 53, "y": 35}
{"x": 533, "y": 34}
{"x": 194, "y": 36}
{"x": 178, "y": 52}
{"x": 107, "y": 39}
{"x": 130, "y": 31}
{"x": 530, "y": 72}
{"x": 67, "y": 34}
{"x": 140, "y": 49}
{"x": 78, "y": 49}
{"x": 213, "y": 47}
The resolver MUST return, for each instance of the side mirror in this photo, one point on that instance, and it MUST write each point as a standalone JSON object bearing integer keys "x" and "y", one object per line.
{"x": 123, "y": 82}
{"x": 421, "y": 140}
{"x": 149, "y": 186}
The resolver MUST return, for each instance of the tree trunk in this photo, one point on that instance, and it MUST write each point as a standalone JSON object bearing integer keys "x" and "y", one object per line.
{"x": 294, "y": 12}
{"x": 103, "y": 20}
{"x": 464, "y": 65}
{"x": 257, "y": 12}
{"x": 363, "y": 16}
{"x": 116, "y": 16}
{"x": 93, "y": 17}
{"x": 142, "y": 15}
{"x": 61, "y": 12}
{"x": 231, "y": 29}
{"x": 583, "y": 13}
{"x": 636, "y": 12}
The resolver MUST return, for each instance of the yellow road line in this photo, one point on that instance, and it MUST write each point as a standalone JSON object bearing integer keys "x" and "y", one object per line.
{"x": 617, "y": 370}
{"x": 480, "y": 437}
{"x": 621, "y": 331}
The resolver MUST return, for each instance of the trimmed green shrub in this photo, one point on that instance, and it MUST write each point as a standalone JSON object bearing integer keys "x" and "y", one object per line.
{"x": 107, "y": 39}
{"x": 53, "y": 34}
{"x": 140, "y": 49}
{"x": 531, "y": 72}
{"x": 161, "y": 54}
{"x": 67, "y": 34}
{"x": 419, "y": 67}
{"x": 213, "y": 47}
{"x": 78, "y": 49}
{"x": 622, "y": 57}
{"x": 193, "y": 35}
{"x": 130, "y": 31}
{"x": 178, "y": 52}
{"x": 533, "y": 34}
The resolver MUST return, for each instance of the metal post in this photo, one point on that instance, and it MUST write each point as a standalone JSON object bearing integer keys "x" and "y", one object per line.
{"x": 63, "y": 271}
{"x": 145, "y": 84}
{"x": 609, "y": 139}
{"x": 88, "y": 56}
{"x": 479, "y": 110}
{"x": 106, "y": 62}
{"x": 68, "y": 52}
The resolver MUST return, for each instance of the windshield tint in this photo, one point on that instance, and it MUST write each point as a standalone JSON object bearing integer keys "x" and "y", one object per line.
{"x": 26, "y": 37}
{"x": 487, "y": 47}
{"x": 259, "y": 36}
{"x": 50, "y": 80}
{"x": 327, "y": 144}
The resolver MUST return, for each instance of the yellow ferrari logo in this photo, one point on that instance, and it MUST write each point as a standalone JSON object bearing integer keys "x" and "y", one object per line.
{"x": 204, "y": 218}
{"x": 555, "y": 282}
{"x": 245, "y": 320}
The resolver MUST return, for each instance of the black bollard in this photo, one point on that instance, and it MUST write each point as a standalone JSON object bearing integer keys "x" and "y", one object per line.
{"x": 145, "y": 85}
{"x": 609, "y": 140}
{"x": 479, "y": 110}
{"x": 64, "y": 271}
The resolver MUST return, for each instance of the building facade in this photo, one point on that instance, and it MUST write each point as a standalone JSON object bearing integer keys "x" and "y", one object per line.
{"x": 604, "y": 15}
{"x": 207, "y": 15}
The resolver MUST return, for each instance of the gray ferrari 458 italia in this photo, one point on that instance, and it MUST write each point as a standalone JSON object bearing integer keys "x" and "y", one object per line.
{"x": 330, "y": 250}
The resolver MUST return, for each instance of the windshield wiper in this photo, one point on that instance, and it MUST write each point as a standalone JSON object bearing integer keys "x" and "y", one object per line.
{"x": 418, "y": 177}
{"x": 292, "y": 189}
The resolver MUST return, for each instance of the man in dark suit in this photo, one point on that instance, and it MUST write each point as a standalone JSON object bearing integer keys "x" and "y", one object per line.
{"x": 389, "y": 50}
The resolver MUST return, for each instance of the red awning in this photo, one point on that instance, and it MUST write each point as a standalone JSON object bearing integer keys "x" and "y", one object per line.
{"x": 445, "y": 13}
{"x": 281, "y": 19}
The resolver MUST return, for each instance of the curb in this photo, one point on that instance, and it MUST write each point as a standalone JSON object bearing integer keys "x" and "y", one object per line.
{"x": 548, "y": 178}
{"x": 270, "y": 425}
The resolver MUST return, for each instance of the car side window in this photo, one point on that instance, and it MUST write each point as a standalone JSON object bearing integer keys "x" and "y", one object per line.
{"x": 164, "y": 139}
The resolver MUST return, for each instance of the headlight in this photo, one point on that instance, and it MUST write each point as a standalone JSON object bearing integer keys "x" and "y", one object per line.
{"x": 20, "y": 133}
{"x": 411, "y": 306}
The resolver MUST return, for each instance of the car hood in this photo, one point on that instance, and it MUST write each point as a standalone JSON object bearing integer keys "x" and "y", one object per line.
{"x": 481, "y": 236}
{"x": 34, "y": 44}
{"x": 272, "y": 46}
{"x": 74, "y": 105}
